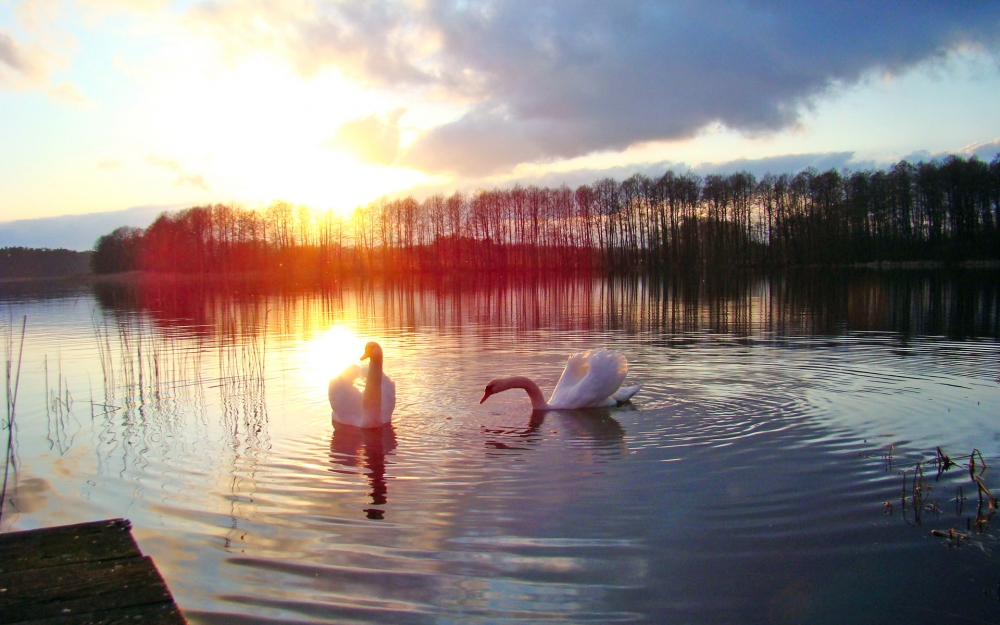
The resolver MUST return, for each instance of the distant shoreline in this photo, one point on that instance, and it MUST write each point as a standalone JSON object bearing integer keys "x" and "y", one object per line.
{"x": 929, "y": 264}
{"x": 80, "y": 279}
{"x": 134, "y": 277}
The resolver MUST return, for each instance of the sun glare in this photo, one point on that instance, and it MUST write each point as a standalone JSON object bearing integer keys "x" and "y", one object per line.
{"x": 317, "y": 178}
{"x": 254, "y": 132}
{"x": 327, "y": 354}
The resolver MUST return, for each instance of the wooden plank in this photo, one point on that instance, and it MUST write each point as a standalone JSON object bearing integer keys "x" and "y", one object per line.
{"x": 68, "y": 544}
{"x": 83, "y": 587}
{"x": 153, "y": 614}
{"x": 84, "y": 574}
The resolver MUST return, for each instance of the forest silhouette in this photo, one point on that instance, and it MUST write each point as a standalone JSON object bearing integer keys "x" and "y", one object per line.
{"x": 24, "y": 262}
{"x": 939, "y": 211}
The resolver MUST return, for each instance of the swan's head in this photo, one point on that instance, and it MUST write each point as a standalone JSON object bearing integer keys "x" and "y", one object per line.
{"x": 498, "y": 385}
{"x": 495, "y": 386}
{"x": 372, "y": 350}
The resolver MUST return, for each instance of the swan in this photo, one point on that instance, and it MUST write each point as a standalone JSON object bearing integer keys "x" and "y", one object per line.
{"x": 371, "y": 409}
{"x": 591, "y": 379}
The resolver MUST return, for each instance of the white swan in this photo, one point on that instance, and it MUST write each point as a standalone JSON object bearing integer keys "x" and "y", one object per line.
{"x": 374, "y": 407}
{"x": 591, "y": 379}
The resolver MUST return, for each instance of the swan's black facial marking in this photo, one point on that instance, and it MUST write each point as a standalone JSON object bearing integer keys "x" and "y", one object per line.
{"x": 489, "y": 391}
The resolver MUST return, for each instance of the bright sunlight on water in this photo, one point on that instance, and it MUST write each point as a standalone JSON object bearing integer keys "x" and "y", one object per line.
{"x": 767, "y": 472}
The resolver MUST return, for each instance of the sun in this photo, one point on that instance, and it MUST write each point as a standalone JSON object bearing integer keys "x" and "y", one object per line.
{"x": 329, "y": 353}
{"x": 317, "y": 178}
{"x": 255, "y": 132}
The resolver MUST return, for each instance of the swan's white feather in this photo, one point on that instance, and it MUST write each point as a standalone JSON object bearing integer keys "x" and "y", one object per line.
{"x": 345, "y": 397}
{"x": 591, "y": 379}
{"x": 388, "y": 398}
{"x": 625, "y": 393}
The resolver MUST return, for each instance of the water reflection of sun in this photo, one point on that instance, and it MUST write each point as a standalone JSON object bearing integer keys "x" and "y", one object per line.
{"x": 327, "y": 354}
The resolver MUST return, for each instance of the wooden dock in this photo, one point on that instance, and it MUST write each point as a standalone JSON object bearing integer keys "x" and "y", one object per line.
{"x": 90, "y": 573}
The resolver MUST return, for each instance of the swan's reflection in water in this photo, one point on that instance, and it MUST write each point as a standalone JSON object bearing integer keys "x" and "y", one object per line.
{"x": 591, "y": 428}
{"x": 366, "y": 448}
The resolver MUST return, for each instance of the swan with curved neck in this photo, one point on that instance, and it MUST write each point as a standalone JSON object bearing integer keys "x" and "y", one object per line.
{"x": 372, "y": 408}
{"x": 591, "y": 379}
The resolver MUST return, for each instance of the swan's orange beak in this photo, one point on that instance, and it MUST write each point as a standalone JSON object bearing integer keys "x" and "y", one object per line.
{"x": 367, "y": 354}
{"x": 486, "y": 394}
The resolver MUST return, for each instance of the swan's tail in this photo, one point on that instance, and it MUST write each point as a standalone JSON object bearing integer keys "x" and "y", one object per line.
{"x": 625, "y": 393}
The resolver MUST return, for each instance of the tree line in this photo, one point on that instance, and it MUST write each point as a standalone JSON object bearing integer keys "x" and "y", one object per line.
{"x": 25, "y": 262}
{"x": 946, "y": 210}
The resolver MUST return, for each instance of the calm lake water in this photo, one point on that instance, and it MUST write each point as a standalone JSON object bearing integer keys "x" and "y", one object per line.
{"x": 763, "y": 474}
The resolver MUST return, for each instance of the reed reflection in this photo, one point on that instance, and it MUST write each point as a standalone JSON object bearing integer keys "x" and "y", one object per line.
{"x": 157, "y": 380}
{"x": 364, "y": 448}
{"x": 62, "y": 423}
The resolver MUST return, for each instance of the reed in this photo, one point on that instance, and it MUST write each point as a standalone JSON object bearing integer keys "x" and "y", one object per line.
{"x": 916, "y": 494}
{"x": 157, "y": 346}
{"x": 12, "y": 379}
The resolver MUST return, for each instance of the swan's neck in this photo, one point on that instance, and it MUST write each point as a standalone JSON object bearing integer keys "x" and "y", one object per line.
{"x": 371, "y": 400}
{"x": 534, "y": 393}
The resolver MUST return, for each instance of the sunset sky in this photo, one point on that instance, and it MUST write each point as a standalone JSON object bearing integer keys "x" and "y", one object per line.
{"x": 108, "y": 104}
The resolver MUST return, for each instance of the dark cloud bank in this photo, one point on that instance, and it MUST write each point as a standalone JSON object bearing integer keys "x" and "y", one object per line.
{"x": 760, "y": 167}
{"x": 553, "y": 79}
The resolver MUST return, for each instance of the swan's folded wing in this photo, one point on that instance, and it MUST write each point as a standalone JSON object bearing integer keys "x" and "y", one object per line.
{"x": 352, "y": 373}
{"x": 590, "y": 379}
{"x": 345, "y": 398}
{"x": 388, "y": 398}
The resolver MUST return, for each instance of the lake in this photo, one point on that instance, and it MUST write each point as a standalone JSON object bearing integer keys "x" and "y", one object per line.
{"x": 778, "y": 465}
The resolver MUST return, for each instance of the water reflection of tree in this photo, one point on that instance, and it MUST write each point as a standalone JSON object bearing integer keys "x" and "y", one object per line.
{"x": 734, "y": 303}
{"x": 354, "y": 447}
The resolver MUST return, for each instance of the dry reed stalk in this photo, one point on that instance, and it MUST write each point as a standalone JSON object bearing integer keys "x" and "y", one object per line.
{"x": 11, "y": 404}
{"x": 919, "y": 492}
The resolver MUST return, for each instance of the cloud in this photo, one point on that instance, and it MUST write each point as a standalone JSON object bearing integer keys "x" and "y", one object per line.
{"x": 788, "y": 164}
{"x": 546, "y": 80}
{"x": 21, "y": 65}
{"x": 29, "y": 64}
{"x": 184, "y": 179}
{"x": 26, "y": 66}
{"x": 196, "y": 181}
{"x": 760, "y": 167}
{"x": 374, "y": 42}
{"x": 103, "y": 7}
{"x": 986, "y": 151}
{"x": 167, "y": 163}
{"x": 374, "y": 138}
{"x": 109, "y": 163}
{"x": 67, "y": 93}
{"x": 35, "y": 14}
